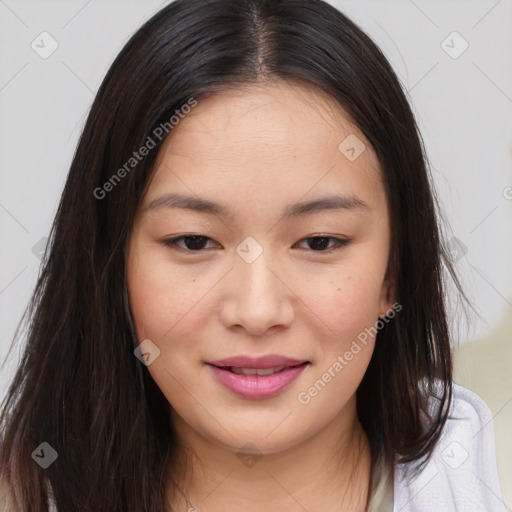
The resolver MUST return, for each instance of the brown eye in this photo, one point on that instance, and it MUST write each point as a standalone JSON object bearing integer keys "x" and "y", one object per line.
{"x": 321, "y": 243}
{"x": 193, "y": 243}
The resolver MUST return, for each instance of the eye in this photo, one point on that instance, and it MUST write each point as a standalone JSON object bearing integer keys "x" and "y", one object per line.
{"x": 193, "y": 243}
{"x": 196, "y": 243}
{"x": 320, "y": 243}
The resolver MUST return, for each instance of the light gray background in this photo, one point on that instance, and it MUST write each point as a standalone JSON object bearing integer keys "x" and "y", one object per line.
{"x": 463, "y": 106}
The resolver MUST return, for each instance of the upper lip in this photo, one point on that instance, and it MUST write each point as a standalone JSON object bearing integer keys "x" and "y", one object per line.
{"x": 268, "y": 361}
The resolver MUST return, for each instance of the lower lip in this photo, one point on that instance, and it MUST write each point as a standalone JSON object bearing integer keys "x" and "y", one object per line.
{"x": 257, "y": 386}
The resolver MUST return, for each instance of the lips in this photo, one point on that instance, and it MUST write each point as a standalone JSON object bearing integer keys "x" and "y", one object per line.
{"x": 257, "y": 377}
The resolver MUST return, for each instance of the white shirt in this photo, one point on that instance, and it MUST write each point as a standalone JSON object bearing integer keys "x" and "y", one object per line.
{"x": 462, "y": 475}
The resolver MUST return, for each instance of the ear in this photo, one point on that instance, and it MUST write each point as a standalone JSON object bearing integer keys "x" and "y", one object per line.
{"x": 387, "y": 296}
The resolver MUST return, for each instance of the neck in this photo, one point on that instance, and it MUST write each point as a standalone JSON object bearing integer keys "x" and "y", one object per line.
{"x": 328, "y": 471}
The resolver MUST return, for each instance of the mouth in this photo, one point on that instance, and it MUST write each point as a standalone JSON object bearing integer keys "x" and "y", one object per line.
{"x": 257, "y": 378}
{"x": 241, "y": 370}
{"x": 274, "y": 361}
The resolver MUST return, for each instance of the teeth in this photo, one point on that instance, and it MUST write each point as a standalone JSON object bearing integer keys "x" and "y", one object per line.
{"x": 256, "y": 371}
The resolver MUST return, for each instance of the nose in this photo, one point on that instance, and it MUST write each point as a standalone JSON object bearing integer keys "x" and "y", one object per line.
{"x": 257, "y": 297}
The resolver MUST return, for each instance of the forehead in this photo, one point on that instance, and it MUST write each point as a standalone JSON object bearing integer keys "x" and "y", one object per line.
{"x": 279, "y": 137}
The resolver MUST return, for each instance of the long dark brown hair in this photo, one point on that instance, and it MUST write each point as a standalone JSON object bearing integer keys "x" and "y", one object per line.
{"x": 79, "y": 387}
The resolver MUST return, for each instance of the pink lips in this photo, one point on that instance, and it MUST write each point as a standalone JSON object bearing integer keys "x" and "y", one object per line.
{"x": 257, "y": 386}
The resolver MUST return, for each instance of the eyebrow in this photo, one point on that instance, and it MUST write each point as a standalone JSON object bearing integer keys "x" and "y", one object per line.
{"x": 330, "y": 202}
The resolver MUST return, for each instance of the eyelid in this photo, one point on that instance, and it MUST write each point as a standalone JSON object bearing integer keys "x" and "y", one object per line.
{"x": 339, "y": 243}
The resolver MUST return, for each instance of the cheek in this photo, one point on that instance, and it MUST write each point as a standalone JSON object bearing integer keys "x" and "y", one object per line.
{"x": 148, "y": 300}
{"x": 349, "y": 308}
{"x": 346, "y": 304}
{"x": 159, "y": 308}
{"x": 160, "y": 297}
{"x": 168, "y": 305}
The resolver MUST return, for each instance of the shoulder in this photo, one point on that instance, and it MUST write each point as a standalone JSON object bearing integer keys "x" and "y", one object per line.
{"x": 471, "y": 409}
{"x": 461, "y": 475}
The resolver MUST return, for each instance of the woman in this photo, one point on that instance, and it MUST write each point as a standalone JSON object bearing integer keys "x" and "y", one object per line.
{"x": 242, "y": 303}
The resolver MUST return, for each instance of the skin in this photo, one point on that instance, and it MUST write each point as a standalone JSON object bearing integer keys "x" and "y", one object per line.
{"x": 256, "y": 150}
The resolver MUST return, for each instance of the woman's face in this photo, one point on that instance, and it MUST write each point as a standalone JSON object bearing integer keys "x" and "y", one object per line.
{"x": 256, "y": 282}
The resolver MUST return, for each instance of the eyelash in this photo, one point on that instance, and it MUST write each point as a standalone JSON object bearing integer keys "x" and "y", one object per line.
{"x": 172, "y": 243}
